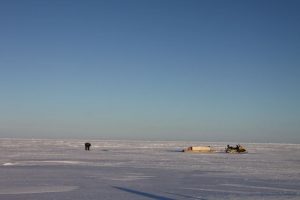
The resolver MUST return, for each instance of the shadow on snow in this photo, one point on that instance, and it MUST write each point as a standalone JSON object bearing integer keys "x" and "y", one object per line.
{"x": 152, "y": 196}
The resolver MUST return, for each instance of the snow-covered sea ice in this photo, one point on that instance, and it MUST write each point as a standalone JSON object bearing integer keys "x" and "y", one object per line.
{"x": 62, "y": 169}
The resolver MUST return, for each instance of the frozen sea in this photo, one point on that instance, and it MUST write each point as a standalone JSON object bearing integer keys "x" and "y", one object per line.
{"x": 130, "y": 170}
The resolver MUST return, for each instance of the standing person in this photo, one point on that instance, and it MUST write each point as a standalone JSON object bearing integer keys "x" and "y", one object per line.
{"x": 87, "y": 146}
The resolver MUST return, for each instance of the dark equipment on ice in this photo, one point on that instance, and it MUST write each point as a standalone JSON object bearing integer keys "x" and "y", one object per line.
{"x": 87, "y": 146}
{"x": 237, "y": 149}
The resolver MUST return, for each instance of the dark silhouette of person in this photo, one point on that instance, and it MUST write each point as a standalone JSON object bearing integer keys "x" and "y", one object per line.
{"x": 87, "y": 146}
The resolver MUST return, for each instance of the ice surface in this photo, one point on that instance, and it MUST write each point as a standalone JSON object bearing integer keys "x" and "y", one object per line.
{"x": 62, "y": 169}
{"x": 36, "y": 189}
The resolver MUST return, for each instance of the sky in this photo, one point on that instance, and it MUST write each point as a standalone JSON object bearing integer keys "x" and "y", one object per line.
{"x": 200, "y": 70}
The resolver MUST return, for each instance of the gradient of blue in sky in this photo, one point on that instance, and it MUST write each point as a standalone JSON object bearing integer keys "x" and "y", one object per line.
{"x": 159, "y": 69}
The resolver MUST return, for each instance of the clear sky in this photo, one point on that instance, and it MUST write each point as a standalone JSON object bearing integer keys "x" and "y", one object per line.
{"x": 150, "y": 69}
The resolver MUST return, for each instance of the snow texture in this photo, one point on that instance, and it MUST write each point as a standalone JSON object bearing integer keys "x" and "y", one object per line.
{"x": 131, "y": 170}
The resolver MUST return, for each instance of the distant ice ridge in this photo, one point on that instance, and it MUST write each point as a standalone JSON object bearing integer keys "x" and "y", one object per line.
{"x": 36, "y": 189}
{"x": 9, "y": 164}
{"x": 41, "y": 162}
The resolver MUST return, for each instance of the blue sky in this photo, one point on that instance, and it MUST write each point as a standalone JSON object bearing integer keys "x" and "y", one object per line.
{"x": 159, "y": 69}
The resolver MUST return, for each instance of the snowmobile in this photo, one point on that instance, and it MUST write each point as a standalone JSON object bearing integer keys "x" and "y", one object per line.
{"x": 237, "y": 149}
